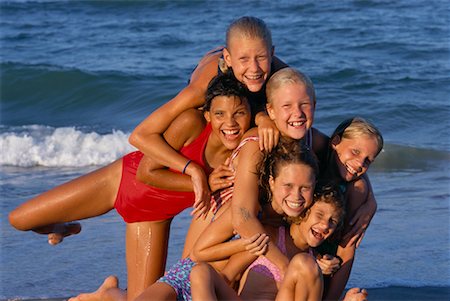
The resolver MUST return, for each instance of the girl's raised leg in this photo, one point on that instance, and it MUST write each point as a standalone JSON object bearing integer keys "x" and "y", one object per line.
{"x": 87, "y": 196}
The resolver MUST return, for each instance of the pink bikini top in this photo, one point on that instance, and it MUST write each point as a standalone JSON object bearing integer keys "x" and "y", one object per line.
{"x": 264, "y": 266}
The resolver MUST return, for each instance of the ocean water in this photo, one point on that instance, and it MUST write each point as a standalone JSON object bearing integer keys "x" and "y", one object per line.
{"x": 77, "y": 77}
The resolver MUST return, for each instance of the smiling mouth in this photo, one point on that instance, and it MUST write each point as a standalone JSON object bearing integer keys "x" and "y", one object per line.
{"x": 317, "y": 235}
{"x": 352, "y": 171}
{"x": 253, "y": 77}
{"x": 231, "y": 134}
{"x": 297, "y": 123}
{"x": 296, "y": 204}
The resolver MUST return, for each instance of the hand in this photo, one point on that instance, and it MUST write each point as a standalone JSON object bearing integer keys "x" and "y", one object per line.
{"x": 202, "y": 200}
{"x": 328, "y": 264}
{"x": 222, "y": 177}
{"x": 268, "y": 133}
{"x": 257, "y": 244}
{"x": 360, "y": 222}
{"x": 356, "y": 294}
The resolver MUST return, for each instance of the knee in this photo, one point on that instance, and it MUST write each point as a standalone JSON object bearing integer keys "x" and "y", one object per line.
{"x": 16, "y": 220}
{"x": 304, "y": 265}
{"x": 199, "y": 273}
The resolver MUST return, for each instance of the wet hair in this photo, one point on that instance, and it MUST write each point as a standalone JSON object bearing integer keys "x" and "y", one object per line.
{"x": 249, "y": 27}
{"x": 357, "y": 127}
{"x": 287, "y": 151}
{"x": 289, "y": 76}
{"x": 224, "y": 85}
{"x": 328, "y": 193}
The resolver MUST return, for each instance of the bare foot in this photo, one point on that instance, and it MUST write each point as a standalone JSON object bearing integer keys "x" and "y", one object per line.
{"x": 110, "y": 282}
{"x": 63, "y": 230}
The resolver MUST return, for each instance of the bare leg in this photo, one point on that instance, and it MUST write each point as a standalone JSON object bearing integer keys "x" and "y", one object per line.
{"x": 146, "y": 251}
{"x": 302, "y": 281}
{"x": 158, "y": 291}
{"x": 109, "y": 290}
{"x": 87, "y": 196}
{"x": 207, "y": 284}
{"x": 195, "y": 229}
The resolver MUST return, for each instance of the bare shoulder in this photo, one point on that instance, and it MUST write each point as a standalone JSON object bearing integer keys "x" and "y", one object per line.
{"x": 206, "y": 69}
{"x": 186, "y": 127}
{"x": 358, "y": 189}
{"x": 253, "y": 132}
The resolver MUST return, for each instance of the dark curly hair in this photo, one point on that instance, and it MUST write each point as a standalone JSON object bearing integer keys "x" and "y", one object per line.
{"x": 287, "y": 151}
{"x": 224, "y": 84}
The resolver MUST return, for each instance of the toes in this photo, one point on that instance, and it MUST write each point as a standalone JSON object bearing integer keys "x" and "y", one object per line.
{"x": 54, "y": 239}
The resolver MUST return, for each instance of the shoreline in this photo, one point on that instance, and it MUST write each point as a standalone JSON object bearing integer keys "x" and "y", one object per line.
{"x": 375, "y": 294}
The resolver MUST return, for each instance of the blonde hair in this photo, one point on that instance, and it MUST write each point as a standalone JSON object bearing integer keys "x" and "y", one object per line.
{"x": 356, "y": 127}
{"x": 249, "y": 27}
{"x": 289, "y": 76}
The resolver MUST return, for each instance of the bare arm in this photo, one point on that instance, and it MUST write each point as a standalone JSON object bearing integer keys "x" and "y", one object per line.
{"x": 356, "y": 195}
{"x": 147, "y": 136}
{"x": 182, "y": 131}
{"x": 214, "y": 243}
{"x": 245, "y": 203}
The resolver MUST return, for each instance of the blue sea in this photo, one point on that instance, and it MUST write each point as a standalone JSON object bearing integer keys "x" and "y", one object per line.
{"x": 78, "y": 76}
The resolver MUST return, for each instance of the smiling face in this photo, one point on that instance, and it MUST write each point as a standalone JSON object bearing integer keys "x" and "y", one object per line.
{"x": 320, "y": 223}
{"x": 230, "y": 119}
{"x": 354, "y": 155}
{"x": 292, "y": 110}
{"x": 250, "y": 59}
{"x": 292, "y": 190}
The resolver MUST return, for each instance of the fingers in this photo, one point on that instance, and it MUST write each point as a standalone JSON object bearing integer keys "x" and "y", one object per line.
{"x": 329, "y": 264}
{"x": 257, "y": 244}
{"x": 268, "y": 138}
{"x": 360, "y": 239}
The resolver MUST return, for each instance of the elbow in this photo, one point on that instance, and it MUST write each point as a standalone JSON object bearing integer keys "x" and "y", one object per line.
{"x": 135, "y": 138}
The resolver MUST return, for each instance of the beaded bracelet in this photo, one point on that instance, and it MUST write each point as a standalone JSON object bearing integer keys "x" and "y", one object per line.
{"x": 184, "y": 169}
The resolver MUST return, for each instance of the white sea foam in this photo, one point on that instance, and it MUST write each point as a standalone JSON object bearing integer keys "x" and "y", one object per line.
{"x": 66, "y": 146}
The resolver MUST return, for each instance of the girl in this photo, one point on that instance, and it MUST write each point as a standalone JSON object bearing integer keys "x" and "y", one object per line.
{"x": 249, "y": 56}
{"x": 353, "y": 147}
{"x": 147, "y": 210}
{"x": 291, "y": 165}
{"x": 262, "y": 279}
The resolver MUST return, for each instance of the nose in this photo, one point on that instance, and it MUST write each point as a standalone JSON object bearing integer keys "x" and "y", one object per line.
{"x": 297, "y": 111}
{"x": 230, "y": 120}
{"x": 254, "y": 65}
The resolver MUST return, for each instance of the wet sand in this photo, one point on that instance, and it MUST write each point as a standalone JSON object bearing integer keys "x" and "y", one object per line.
{"x": 375, "y": 294}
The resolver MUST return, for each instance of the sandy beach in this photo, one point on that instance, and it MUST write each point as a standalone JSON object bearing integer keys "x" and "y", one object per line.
{"x": 375, "y": 294}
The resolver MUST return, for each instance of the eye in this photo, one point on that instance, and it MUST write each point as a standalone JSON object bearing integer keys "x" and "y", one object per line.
{"x": 355, "y": 152}
{"x": 241, "y": 113}
{"x": 262, "y": 58}
{"x": 306, "y": 189}
{"x": 218, "y": 113}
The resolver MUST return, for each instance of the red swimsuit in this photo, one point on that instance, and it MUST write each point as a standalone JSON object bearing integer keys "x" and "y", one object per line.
{"x": 138, "y": 202}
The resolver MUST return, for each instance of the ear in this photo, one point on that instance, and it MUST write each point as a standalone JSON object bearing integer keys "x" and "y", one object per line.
{"x": 207, "y": 116}
{"x": 227, "y": 57}
{"x": 271, "y": 184}
{"x": 270, "y": 111}
{"x": 335, "y": 141}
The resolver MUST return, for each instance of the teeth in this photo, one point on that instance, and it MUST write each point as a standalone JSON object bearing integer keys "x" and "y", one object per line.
{"x": 351, "y": 170}
{"x": 294, "y": 204}
{"x": 317, "y": 234}
{"x": 296, "y": 123}
{"x": 230, "y": 132}
{"x": 253, "y": 77}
